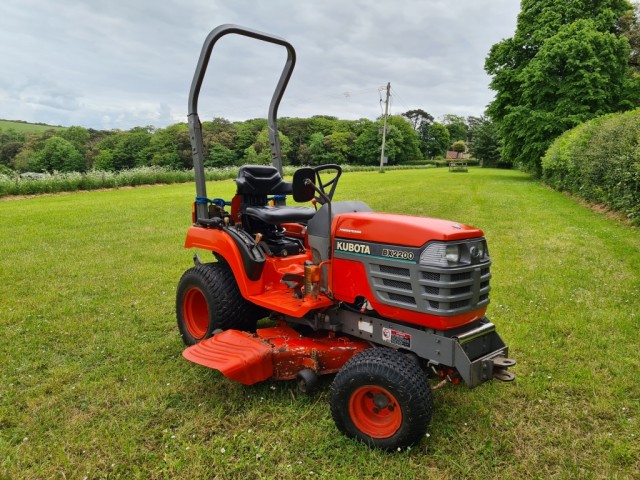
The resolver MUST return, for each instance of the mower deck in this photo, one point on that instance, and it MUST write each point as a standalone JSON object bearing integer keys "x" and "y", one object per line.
{"x": 277, "y": 352}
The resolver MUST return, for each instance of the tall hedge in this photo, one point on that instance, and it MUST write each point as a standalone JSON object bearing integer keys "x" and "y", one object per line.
{"x": 599, "y": 161}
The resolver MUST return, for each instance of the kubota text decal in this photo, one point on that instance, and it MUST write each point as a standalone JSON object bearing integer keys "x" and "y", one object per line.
{"x": 353, "y": 247}
{"x": 377, "y": 250}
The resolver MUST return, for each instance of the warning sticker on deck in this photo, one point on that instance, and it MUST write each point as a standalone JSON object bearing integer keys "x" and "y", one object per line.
{"x": 394, "y": 337}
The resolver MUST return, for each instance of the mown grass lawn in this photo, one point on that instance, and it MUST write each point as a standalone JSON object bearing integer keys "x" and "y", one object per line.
{"x": 92, "y": 383}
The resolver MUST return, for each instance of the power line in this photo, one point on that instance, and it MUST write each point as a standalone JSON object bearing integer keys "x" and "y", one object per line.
{"x": 325, "y": 98}
{"x": 346, "y": 95}
{"x": 402, "y": 103}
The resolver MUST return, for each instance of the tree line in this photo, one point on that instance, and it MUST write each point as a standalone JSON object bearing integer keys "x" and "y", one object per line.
{"x": 568, "y": 62}
{"x": 412, "y": 137}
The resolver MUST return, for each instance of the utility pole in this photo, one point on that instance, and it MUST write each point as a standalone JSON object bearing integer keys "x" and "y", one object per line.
{"x": 384, "y": 128}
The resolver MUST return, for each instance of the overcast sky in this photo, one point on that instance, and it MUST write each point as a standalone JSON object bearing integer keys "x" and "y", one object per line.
{"x": 125, "y": 63}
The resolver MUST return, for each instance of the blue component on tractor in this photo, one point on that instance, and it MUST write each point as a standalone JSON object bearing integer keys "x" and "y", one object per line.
{"x": 277, "y": 197}
{"x": 216, "y": 201}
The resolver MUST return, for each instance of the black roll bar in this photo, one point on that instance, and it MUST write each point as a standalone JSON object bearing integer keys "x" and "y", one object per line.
{"x": 195, "y": 126}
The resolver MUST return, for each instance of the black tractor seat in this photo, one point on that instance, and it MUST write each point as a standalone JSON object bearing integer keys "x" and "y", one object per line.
{"x": 258, "y": 182}
{"x": 279, "y": 215}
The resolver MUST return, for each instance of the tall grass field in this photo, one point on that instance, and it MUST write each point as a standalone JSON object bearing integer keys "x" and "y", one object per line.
{"x": 93, "y": 385}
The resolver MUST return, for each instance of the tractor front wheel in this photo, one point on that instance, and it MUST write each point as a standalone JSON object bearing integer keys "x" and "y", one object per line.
{"x": 382, "y": 398}
{"x": 208, "y": 299}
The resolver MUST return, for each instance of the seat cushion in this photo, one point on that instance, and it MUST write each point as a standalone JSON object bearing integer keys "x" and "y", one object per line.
{"x": 284, "y": 214}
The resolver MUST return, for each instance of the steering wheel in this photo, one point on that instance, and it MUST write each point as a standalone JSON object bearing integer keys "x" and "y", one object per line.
{"x": 330, "y": 184}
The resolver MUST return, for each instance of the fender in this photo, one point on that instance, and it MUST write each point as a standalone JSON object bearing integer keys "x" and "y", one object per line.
{"x": 246, "y": 265}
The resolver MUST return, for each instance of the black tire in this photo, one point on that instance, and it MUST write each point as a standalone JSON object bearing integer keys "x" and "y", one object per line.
{"x": 382, "y": 398}
{"x": 208, "y": 299}
{"x": 307, "y": 381}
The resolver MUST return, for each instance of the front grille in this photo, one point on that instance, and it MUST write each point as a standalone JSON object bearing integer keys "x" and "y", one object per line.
{"x": 394, "y": 270}
{"x": 460, "y": 290}
{"x": 402, "y": 298}
{"x": 433, "y": 276}
{"x": 437, "y": 290}
{"x": 459, "y": 304}
{"x": 458, "y": 277}
{"x": 396, "y": 284}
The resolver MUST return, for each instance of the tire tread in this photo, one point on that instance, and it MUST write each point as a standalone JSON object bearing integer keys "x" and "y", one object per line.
{"x": 228, "y": 309}
{"x": 394, "y": 371}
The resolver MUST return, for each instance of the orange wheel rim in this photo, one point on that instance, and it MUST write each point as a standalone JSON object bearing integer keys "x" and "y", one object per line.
{"x": 375, "y": 411}
{"x": 196, "y": 313}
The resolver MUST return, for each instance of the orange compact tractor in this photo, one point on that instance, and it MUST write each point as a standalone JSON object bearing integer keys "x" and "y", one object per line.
{"x": 384, "y": 301}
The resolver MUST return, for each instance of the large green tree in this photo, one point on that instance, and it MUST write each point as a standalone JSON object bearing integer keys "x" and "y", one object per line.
{"x": 124, "y": 150}
{"x": 368, "y": 145}
{"x": 401, "y": 142}
{"x": 485, "y": 142}
{"x": 260, "y": 151}
{"x": 565, "y": 64}
{"x": 457, "y": 127}
{"x": 11, "y": 142}
{"x": 59, "y": 155}
{"x": 297, "y": 130}
{"x": 409, "y": 147}
{"x": 171, "y": 147}
{"x": 220, "y": 156}
{"x": 418, "y": 117}
{"x": 630, "y": 28}
{"x": 421, "y": 122}
{"x": 27, "y": 158}
{"x": 435, "y": 140}
{"x": 247, "y": 132}
{"x": 219, "y": 131}
{"x": 77, "y": 136}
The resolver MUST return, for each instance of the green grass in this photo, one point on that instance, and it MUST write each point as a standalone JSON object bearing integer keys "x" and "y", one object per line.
{"x": 92, "y": 383}
{"x": 26, "y": 127}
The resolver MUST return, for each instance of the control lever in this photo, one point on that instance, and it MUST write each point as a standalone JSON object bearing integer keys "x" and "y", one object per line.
{"x": 295, "y": 282}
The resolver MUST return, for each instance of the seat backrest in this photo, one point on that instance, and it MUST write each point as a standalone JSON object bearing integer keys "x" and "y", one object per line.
{"x": 261, "y": 180}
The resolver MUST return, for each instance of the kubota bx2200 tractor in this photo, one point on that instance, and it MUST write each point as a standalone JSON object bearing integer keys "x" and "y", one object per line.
{"x": 382, "y": 300}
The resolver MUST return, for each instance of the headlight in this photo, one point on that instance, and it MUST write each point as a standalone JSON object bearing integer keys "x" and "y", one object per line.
{"x": 481, "y": 250}
{"x": 452, "y": 253}
{"x": 439, "y": 254}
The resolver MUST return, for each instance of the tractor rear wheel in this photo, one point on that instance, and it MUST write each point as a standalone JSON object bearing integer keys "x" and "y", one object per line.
{"x": 208, "y": 299}
{"x": 382, "y": 398}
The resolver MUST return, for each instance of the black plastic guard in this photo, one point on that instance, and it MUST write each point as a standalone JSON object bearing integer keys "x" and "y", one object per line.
{"x": 253, "y": 259}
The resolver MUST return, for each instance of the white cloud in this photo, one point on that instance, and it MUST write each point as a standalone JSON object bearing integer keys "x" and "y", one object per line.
{"x": 120, "y": 63}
